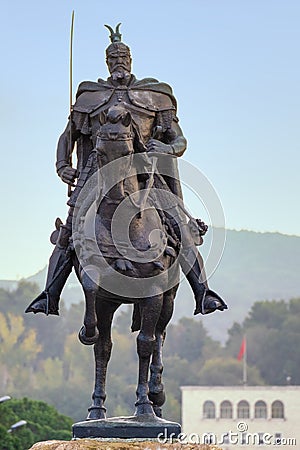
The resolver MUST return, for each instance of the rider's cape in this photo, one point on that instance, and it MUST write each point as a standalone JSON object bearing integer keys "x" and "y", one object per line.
{"x": 147, "y": 94}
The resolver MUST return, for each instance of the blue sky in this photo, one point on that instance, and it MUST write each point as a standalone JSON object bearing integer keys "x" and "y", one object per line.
{"x": 235, "y": 70}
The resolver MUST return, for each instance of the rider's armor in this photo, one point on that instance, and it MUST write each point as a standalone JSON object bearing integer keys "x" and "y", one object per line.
{"x": 152, "y": 107}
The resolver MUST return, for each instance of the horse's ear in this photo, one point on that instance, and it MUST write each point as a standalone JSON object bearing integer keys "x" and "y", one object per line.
{"x": 102, "y": 117}
{"x": 126, "y": 120}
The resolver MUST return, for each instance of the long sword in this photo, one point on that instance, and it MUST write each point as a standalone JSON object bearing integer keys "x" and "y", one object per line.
{"x": 71, "y": 93}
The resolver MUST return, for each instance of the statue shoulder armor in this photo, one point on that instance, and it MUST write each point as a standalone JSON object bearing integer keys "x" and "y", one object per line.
{"x": 91, "y": 95}
{"x": 152, "y": 95}
{"x": 149, "y": 94}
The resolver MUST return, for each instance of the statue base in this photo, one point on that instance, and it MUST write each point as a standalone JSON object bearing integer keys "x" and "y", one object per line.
{"x": 144, "y": 426}
{"x": 115, "y": 444}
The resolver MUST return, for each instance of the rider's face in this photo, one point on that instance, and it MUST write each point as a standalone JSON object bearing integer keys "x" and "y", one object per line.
{"x": 119, "y": 60}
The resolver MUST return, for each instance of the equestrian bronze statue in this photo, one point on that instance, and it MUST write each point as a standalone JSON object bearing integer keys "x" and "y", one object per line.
{"x": 127, "y": 232}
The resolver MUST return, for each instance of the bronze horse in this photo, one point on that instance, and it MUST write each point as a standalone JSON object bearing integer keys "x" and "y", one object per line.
{"x": 124, "y": 256}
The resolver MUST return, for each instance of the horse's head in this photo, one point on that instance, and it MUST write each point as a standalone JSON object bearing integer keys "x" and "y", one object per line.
{"x": 115, "y": 136}
{"x": 115, "y": 148}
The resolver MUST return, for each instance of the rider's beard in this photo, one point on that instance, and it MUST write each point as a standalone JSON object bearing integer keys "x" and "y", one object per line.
{"x": 120, "y": 74}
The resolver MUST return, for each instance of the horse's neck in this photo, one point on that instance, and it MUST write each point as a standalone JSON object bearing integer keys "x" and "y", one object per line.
{"x": 120, "y": 180}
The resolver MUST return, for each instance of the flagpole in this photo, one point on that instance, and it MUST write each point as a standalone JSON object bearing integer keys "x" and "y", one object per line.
{"x": 245, "y": 363}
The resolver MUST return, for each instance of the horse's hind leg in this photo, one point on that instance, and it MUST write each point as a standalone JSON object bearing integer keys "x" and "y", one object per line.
{"x": 102, "y": 352}
{"x": 88, "y": 334}
{"x": 156, "y": 387}
{"x": 150, "y": 310}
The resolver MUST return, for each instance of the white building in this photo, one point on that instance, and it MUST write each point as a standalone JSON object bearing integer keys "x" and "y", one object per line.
{"x": 241, "y": 417}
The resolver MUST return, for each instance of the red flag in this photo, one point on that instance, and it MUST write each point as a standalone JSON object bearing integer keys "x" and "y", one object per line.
{"x": 242, "y": 349}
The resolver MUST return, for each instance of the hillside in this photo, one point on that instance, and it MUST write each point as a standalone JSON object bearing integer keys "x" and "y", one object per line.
{"x": 254, "y": 266}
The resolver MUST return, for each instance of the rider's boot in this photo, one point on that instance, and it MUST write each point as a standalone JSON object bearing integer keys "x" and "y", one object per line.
{"x": 59, "y": 269}
{"x": 207, "y": 301}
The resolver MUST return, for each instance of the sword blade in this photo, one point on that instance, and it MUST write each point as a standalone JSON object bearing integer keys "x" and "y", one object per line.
{"x": 71, "y": 91}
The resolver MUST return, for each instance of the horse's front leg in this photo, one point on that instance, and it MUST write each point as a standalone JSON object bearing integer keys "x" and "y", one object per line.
{"x": 102, "y": 352}
{"x": 88, "y": 334}
{"x": 150, "y": 310}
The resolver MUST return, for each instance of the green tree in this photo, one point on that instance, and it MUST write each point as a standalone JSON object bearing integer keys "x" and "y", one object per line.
{"x": 270, "y": 314}
{"x": 273, "y": 340}
{"x": 18, "y": 352}
{"x": 16, "y": 300}
{"x": 43, "y": 423}
{"x": 188, "y": 339}
{"x": 42, "y": 355}
{"x": 6, "y": 439}
{"x": 227, "y": 372}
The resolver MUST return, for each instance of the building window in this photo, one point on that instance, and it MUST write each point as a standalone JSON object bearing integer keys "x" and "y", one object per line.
{"x": 226, "y": 410}
{"x": 209, "y": 410}
{"x": 277, "y": 410}
{"x": 243, "y": 410}
{"x": 260, "y": 411}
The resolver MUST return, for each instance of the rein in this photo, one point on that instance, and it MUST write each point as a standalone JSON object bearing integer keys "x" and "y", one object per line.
{"x": 114, "y": 136}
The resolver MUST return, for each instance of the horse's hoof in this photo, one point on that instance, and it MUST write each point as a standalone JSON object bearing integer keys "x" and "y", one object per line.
{"x": 157, "y": 398}
{"x": 96, "y": 413}
{"x": 158, "y": 411}
{"x": 87, "y": 340}
{"x": 144, "y": 408}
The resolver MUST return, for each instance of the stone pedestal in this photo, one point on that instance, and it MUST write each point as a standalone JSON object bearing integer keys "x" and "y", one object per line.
{"x": 143, "y": 426}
